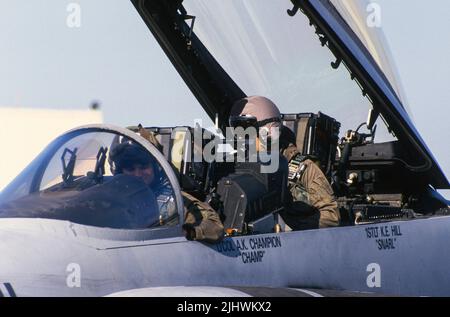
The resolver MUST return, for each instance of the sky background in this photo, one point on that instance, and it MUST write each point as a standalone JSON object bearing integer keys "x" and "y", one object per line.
{"x": 114, "y": 59}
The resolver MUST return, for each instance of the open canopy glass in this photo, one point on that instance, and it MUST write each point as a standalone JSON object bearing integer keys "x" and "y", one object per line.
{"x": 267, "y": 52}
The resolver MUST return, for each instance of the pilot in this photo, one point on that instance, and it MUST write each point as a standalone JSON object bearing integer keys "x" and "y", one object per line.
{"x": 131, "y": 159}
{"x": 202, "y": 223}
{"x": 311, "y": 203}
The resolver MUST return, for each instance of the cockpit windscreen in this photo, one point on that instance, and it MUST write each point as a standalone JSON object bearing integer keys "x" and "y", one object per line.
{"x": 94, "y": 177}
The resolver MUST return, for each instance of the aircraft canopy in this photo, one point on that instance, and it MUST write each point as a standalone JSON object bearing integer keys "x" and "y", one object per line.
{"x": 98, "y": 177}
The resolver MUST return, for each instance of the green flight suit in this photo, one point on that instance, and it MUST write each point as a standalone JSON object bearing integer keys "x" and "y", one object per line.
{"x": 311, "y": 203}
{"x": 201, "y": 221}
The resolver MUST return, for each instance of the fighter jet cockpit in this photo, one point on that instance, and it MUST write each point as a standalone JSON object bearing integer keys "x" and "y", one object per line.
{"x": 95, "y": 177}
{"x": 100, "y": 211}
{"x": 327, "y": 66}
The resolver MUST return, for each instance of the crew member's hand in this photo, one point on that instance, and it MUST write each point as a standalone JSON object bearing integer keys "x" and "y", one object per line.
{"x": 189, "y": 231}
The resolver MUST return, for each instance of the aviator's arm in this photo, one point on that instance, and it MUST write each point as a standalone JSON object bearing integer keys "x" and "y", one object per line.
{"x": 201, "y": 221}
